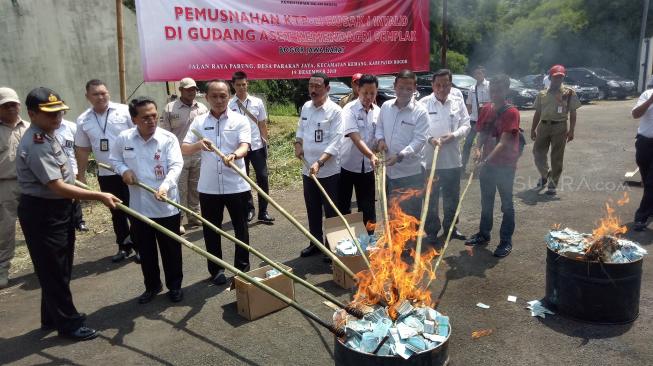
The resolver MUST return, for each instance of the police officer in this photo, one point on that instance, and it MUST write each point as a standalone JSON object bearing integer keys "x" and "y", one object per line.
{"x": 152, "y": 155}
{"x": 65, "y": 134}
{"x": 98, "y": 127}
{"x": 176, "y": 118}
{"x": 549, "y": 127}
{"x": 220, "y": 186}
{"x": 46, "y": 182}
{"x": 12, "y": 129}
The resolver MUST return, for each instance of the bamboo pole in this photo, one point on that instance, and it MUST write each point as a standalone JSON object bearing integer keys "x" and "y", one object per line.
{"x": 351, "y": 310}
{"x": 261, "y": 192}
{"x": 121, "y": 52}
{"x": 425, "y": 209}
{"x": 384, "y": 200}
{"x": 331, "y": 327}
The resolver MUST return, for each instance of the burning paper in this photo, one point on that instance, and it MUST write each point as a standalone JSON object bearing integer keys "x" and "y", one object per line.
{"x": 347, "y": 247}
{"x": 481, "y": 333}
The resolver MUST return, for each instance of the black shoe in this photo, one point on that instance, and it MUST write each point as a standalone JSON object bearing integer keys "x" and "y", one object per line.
{"x": 326, "y": 259}
{"x": 503, "y": 250}
{"x": 137, "y": 258}
{"x": 176, "y": 295}
{"x": 551, "y": 191}
{"x": 309, "y": 250}
{"x": 266, "y": 218}
{"x": 456, "y": 234}
{"x": 82, "y": 333}
{"x": 250, "y": 215}
{"x": 121, "y": 255}
{"x": 541, "y": 184}
{"x": 82, "y": 227}
{"x": 219, "y": 279}
{"x": 476, "y": 240}
{"x": 47, "y": 327}
{"x": 639, "y": 225}
{"x": 148, "y": 295}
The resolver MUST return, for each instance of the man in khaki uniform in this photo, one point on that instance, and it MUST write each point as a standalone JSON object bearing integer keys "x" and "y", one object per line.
{"x": 176, "y": 118}
{"x": 353, "y": 96}
{"x": 12, "y": 129}
{"x": 550, "y": 128}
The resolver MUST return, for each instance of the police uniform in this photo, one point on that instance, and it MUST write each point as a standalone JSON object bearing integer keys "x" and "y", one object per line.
{"x": 220, "y": 186}
{"x": 46, "y": 218}
{"x": 156, "y": 162}
{"x": 554, "y": 107}
{"x": 99, "y": 132}
{"x": 65, "y": 134}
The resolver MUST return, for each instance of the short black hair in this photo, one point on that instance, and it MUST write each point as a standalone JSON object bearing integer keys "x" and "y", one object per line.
{"x": 406, "y": 74}
{"x": 368, "y": 79}
{"x": 480, "y": 68}
{"x": 442, "y": 72}
{"x": 322, "y": 76}
{"x": 94, "y": 82}
{"x": 140, "y": 102}
{"x": 214, "y": 81}
{"x": 238, "y": 75}
{"x": 501, "y": 80}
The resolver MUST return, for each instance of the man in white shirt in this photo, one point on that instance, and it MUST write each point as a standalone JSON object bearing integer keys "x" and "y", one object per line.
{"x": 317, "y": 143}
{"x": 448, "y": 126}
{"x": 97, "y": 129}
{"x": 401, "y": 134}
{"x": 152, "y": 156}
{"x": 478, "y": 96}
{"x": 65, "y": 134}
{"x": 254, "y": 110}
{"x": 220, "y": 186}
{"x": 360, "y": 118}
{"x": 644, "y": 157}
{"x": 176, "y": 118}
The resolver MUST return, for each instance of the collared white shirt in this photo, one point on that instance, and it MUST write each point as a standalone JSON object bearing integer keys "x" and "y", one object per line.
{"x": 356, "y": 119}
{"x": 255, "y": 106}
{"x": 156, "y": 162}
{"x": 65, "y": 134}
{"x": 327, "y": 121}
{"x": 404, "y": 131}
{"x": 450, "y": 117}
{"x": 646, "y": 121}
{"x": 483, "y": 92}
{"x": 93, "y": 127}
{"x": 226, "y": 133}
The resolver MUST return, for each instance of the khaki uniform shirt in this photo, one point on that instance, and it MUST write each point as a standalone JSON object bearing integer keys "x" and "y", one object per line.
{"x": 555, "y": 106}
{"x": 347, "y": 99}
{"x": 9, "y": 140}
{"x": 177, "y": 117}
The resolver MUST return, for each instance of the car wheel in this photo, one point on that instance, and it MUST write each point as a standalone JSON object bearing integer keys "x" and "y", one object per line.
{"x": 602, "y": 94}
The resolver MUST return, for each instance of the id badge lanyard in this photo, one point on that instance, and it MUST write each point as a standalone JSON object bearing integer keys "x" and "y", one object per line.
{"x": 104, "y": 141}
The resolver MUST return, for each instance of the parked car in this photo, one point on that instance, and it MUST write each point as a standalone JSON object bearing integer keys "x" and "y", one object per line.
{"x": 462, "y": 82}
{"x": 586, "y": 92}
{"x": 338, "y": 90}
{"x": 387, "y": 89}
{"x": 465, "y": 83}
{"x": 610, "y": 85}
{"x": 521, "y": 96}
{"x": 533, "y": 81}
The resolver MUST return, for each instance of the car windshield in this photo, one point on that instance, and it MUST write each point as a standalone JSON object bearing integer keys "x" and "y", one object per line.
{"x": 386, "y": 82}
{"x": 516, "y": 84}
{"x": 338, "y": 87}
{"x": 463, "y": 81}
{"x": 604, "y": 73}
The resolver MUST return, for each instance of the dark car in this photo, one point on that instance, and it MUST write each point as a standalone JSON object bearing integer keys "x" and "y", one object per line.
{"x": 463, "y": 82}
{"x": 387, "y": 89}
{"x": 586, "y": 92}
{"x": 521, "y": 96}
{"x": 533, "y": 81}
{"x": 338, "y": 90}
{"x": 610, "y": 85}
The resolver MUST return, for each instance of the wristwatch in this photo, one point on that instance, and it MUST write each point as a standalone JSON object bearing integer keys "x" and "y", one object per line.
{"x": 320, "y": 163}
{"x": 400, "y": 157}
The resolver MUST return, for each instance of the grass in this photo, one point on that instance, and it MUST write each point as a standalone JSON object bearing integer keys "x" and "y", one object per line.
{"x": 282, "y": 109}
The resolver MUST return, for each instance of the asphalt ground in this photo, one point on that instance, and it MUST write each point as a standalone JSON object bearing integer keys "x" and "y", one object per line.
{"x": 205, "y": 328}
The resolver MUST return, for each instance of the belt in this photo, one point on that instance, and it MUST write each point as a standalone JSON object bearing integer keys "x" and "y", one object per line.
{"x": 553, "y": 122}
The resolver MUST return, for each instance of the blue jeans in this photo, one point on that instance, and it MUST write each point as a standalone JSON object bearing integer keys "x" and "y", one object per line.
{"x": 497, "y": 178}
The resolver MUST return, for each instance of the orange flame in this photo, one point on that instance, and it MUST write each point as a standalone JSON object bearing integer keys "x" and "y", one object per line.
{"x": 481, "y": 333}
{"x": 556, "y": 226}
{"x": 392, "y": 280}
{"x": 625, "y": 199}
{"x": 608, "y": 225}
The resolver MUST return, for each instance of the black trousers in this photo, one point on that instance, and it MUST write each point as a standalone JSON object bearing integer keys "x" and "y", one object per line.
{"x": 78, "y": 217}
{"x": 212, "y": 206}
{"x": 447, "y": 183}
{"x": 50, "y": 236}
{"x": 114, "y": 185}
{"x": 409, "y": 190}
{"x": 147, "y": 238}
{"x": 316, "y": 203}
{"x": 259, "y": 161}
{"x": 365, "y": 188}
{"x": 644, "y": 158}
{"x": 469, "y": 142}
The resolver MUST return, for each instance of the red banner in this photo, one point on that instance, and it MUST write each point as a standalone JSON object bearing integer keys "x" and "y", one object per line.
{"x": 281, "y": 39}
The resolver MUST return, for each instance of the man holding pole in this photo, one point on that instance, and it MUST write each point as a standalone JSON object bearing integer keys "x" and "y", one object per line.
{"x": 448, "y": 126}
{"x": 219, "y": 185}
{"x": 317, "y": 143}
{"x": 152, "y": 156}
{"x": 176, "y": 118}
{"x": 477, "y": 98}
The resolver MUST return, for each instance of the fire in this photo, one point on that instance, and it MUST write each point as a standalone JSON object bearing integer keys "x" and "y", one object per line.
{"x": 603, "y": 239}
{"x": 608, "y": 225}
{"x": 481, "y": 333}
{"x": 392, "y": 280}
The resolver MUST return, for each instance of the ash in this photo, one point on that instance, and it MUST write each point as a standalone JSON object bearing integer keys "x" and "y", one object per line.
{"x": 607, "y": 249}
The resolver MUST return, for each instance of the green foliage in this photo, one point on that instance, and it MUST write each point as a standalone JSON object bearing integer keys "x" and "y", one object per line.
{"x": 456, "y": 62}
{"x": 282, "y": 109}
{"x": 284, "y": 167}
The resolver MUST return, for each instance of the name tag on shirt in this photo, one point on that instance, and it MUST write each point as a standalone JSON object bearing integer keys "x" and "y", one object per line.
{"x": 69, "y": 144}
{"x": 319, "y": 135}
{"x": 559, "y": 109}
{"x": 104, "y": 145}
{"x": 158, "y": 172}
{"x": 129, "y": 148}
{"x": 209, "y": 128}
{"x": 407, "y": 123}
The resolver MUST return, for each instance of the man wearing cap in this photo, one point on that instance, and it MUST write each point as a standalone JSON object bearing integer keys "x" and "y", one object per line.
{"x": 549, "y": 128}
{"x": 12, "y": 129}
{"x": 97, "y": 129}
{"x": 176, "y": 118}
{"x": 152, "y": 156}
{"x": 353, "y": 96}
{"x": 254, "y": 110}
{"x": 65, "y": 134}
{"x": 46, "y": 182}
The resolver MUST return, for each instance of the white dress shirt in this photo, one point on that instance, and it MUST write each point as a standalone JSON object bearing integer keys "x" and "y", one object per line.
{"x": 483, "y": 92}
{"x": 65, "y": 134}
{"x": 450, "y": 117}
{"x": 356, "y": 119}
{"x": 93, "y": 127}
{"x": 226, "y": 133}
{"x": 327, "y": 120}
{"x": 156, "y": 162}
{"x": 255, "y": 106}
{"x": 646, "y": 121}
{"x": 404, "y": 131}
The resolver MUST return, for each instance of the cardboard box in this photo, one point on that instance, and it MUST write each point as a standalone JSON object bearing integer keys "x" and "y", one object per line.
{"x": 335, "y": 231}
{"x": 253, "y": 303}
